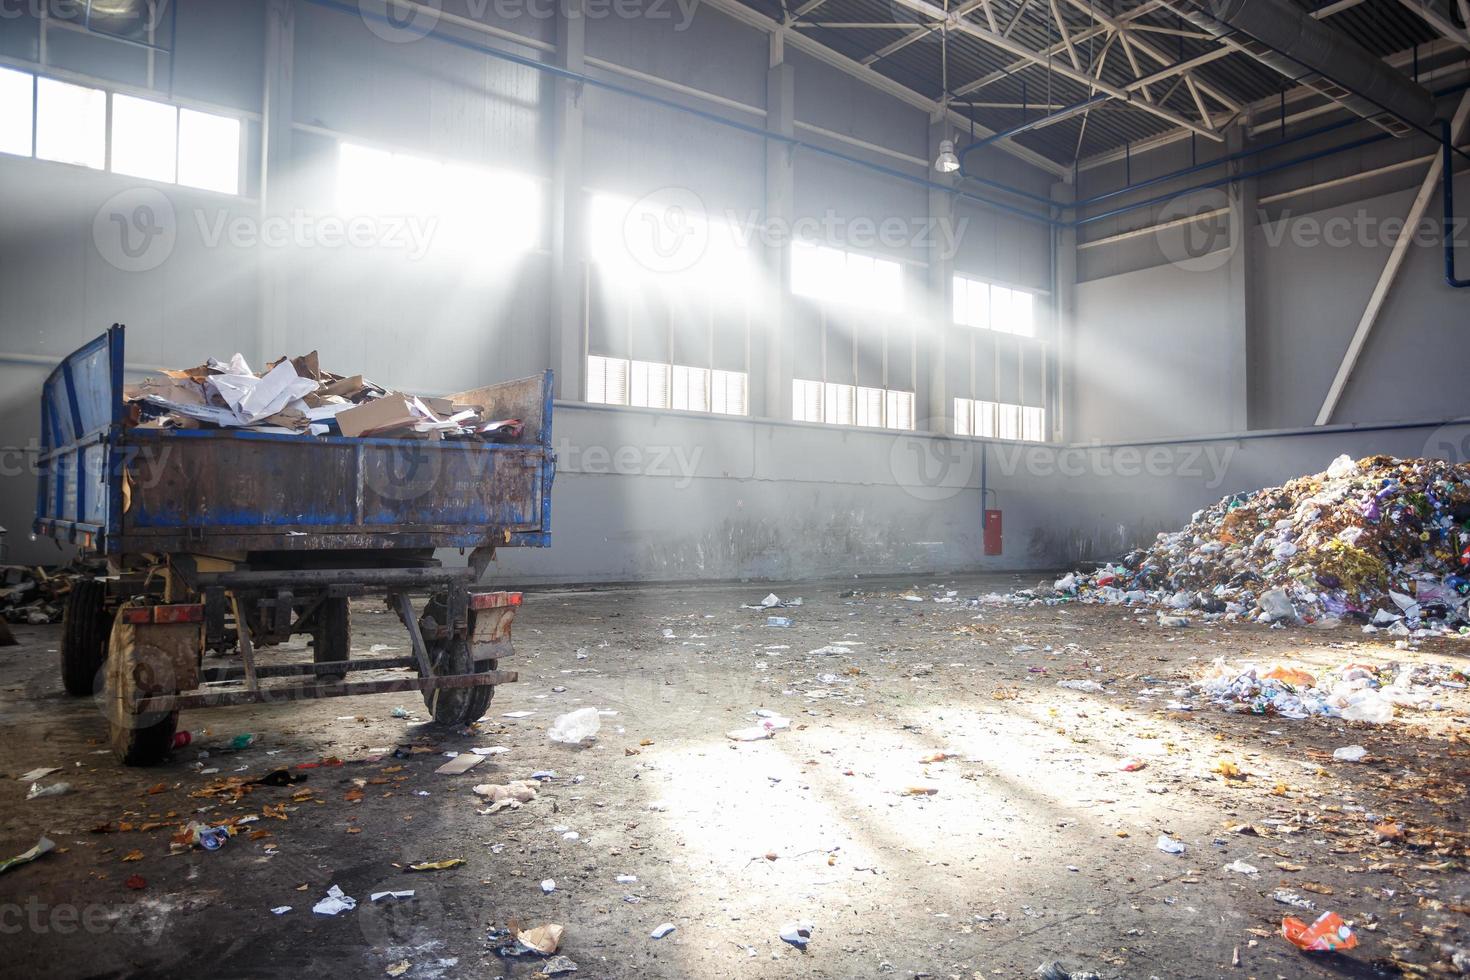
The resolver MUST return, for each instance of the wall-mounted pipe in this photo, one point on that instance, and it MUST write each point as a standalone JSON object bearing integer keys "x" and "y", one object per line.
{"x": 1447, "y": 179}
{"x": 1232, "y": 178}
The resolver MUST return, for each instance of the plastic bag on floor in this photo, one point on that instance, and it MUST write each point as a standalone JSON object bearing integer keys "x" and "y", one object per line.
{"x": 575, "y": 727}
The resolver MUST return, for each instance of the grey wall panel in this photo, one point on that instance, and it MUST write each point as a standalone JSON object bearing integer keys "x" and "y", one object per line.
{"x": 634, "y": 148}
{"x": 834, "y": 100}
{"x": 1315, "y": 273}
{"x": 719, "y": 499}
{"x": 424, "y": 95}
{"x": 999, "y": 247}
{"x": 846, "y": 206}
{"x": 220, "y": 52}
{"x": 431, "y": 325}
{"x": 1148, "y": 349}
{"x": 683, "y": 41}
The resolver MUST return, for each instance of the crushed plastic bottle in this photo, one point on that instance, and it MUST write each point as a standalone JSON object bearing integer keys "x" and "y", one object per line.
{"x": 575, "y": 727}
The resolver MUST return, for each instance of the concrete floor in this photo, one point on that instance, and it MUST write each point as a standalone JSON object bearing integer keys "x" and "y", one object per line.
{"x": 1033, "y": 847}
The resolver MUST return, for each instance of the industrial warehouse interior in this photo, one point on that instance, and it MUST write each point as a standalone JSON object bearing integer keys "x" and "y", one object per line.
{"x": 965, "y": 489}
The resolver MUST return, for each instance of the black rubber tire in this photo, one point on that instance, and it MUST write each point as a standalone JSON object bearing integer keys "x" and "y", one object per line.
{"x": 458, "y": 706}
{"x": 145, "y": 746}
{"x": 332, "y": 639}
{"x": 136, "y": 740}
{"x": 85, "y": 626}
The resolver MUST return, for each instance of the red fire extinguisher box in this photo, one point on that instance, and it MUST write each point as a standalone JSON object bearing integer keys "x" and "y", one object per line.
{"x": 992, "y": 532}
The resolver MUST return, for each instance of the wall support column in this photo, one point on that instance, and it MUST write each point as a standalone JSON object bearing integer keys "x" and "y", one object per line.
{"x": 771, "y": 375}
{"x": 1061, "y": 372}
{"x": 933, "y": 397}
{"x": 1235, "y": 368}
{"x": 275, "y": 163}
{"x": 566, "y": 340}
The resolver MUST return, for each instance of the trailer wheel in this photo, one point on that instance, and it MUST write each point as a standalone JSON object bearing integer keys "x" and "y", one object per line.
{"x": 137, "y": 739}
{"x": 331, "y": 640}
{"x": 84, "y": 628}
{"x": 458, "y": 706}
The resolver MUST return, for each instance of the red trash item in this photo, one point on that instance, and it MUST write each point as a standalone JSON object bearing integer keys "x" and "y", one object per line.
{"x": 1328, "y": 934}
{"x": 136, "y": 883}
{"x": 182, "y": 739}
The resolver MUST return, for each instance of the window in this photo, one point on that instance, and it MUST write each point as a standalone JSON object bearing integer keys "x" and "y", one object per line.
{"x": 832, "y": 275}
{"x": 898, "y": 409}
{"x": 728, "y": 393}
{"x": 652, "y": 384}
{"x": 840, "y": 404}
{"x": 145, "y": 138}
{"x": 806, "y": 401}
{"x": 148, "y": 139}
{"x": 607, "y": 380}
{"x": 16, "y": 103}
{"x": 650, "y": 387}
{"x": 478, "y": 211}
{"x": 691, "y": 389}
{"x": 209, "y": 151}
{"x": 71, "y": 123}
{"x": 999, "y": 420}
{"x": 870, "y": 407}
{"x": 992, "y": 307}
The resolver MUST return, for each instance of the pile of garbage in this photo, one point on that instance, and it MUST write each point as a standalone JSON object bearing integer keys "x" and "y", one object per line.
{"x": 1380, "y": 540}
{"x": 1352, "y": 692}
{"x": 294, "y": 396}
{"x": 34, "y": 596}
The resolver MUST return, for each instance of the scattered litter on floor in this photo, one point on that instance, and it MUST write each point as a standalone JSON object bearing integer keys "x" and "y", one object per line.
{"x": 575, "y": 727}
{"x": 798, "y": 934}
{"x": 444, "y": 865}
{"x": 461, "y": 763}
{"x": 37, "y": 774}
{"x": 1350, "y": 753}
{"x": 379, "y": 896}
{"x": 558, "y": 965}
{"x": 662, "y": 930}
{"x": 335, "y": 902}
{"x": 37, "y": 791}
{"x": 1169, "y": 845}
{"x": 1327, "y": 934}
{"x": 43, "y": 846}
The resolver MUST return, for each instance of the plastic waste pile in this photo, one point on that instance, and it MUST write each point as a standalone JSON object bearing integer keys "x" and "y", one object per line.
{"x": 1383, "y": 541}
{"x": 1352, "y": 692}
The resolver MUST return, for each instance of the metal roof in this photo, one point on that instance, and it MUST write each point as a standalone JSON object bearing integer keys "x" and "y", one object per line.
{"x": 1115, "y": 43}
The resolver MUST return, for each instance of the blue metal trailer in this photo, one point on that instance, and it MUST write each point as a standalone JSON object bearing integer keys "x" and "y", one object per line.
{"x": 213, "y": 539}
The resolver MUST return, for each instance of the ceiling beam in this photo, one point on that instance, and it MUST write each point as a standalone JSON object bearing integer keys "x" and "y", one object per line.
{"x": 1399, "y": 59}
{"x": 1438, "y": 20}
{"x": 882, "y": 83}
{"x": 920, "y": 34}
{"x": 1078, "y": 38}
{"x": 1059, "y": 67}
{"x": 1153, "y": 51}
